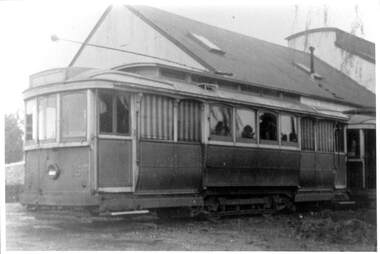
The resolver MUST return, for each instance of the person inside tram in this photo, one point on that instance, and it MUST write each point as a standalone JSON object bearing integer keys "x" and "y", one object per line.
{"x": 247, "y": 132}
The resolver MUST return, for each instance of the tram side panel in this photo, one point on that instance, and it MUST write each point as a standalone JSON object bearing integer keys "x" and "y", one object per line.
{"x": 251, "y": 167}
{"x": 169, "y": 168}
{"x": 58, "y": 176}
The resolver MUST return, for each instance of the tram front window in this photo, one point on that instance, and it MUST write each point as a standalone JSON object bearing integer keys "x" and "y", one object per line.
{"x": 47, "y": 117}
{"x": 31, "y": 120}
{"x": 74, "y": 111}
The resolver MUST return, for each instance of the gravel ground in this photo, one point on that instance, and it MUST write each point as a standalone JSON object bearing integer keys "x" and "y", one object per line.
{"x": 302, "y": 231}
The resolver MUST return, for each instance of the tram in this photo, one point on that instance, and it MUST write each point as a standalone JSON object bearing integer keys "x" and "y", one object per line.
{"x": 155, "y": 137}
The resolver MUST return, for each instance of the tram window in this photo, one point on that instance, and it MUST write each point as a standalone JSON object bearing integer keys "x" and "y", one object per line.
{"x": 245, "y": 125}
{"x": 105, "y": 112}
{"x": 122, "y": 114}
{"x": 308, "y": 134}
{"x": 220, "y": 122}
{"x": 353, "y": 143}
{"x": 157, "y": 117}
{"x": 325, "y": 136}
{"x": 189, "y": 120}
{"x": 268, "y": 127}
{"x": 74, "y": 114}
{"x": 114, "y": 113}
{"x": 47, "y": 117}
{"x": 339, "y": 138}
{"x": 31, "y": 120}
{"x": 289, "y": 130}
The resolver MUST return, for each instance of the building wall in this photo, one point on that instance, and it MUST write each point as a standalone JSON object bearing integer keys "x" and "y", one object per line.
{"x": 355, "y": 67}
{"x": 122, "y": 29}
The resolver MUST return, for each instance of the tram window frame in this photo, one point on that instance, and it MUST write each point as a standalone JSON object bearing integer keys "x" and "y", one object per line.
{"x": 239, "y": 138}
{"x": 339, "y": 138}
{"x": 308, "y": 142}
{"x": 85, "y": 118}
{"x": 43, "y": 126}
{"x": 114, "y": 112}
{"x": 216, "y": 137}
{"x": 324, "y": 142}
{"x": 288, "y": 142}
{"x": 155, "y": 128}
{"x": 33, "y": 123}
{"x": 268, "y": 141}
{"x": 353, "y": 149}
{"x": 195, "y": 126}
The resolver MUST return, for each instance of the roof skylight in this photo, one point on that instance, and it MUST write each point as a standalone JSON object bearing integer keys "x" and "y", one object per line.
{"x": 207, "y": 43}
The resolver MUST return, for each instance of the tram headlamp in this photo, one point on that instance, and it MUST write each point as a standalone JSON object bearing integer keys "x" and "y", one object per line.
{"x": 53, "y": 171}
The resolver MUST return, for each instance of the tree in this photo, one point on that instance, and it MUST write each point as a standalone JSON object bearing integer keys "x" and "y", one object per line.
{"x": 13, "y": 138}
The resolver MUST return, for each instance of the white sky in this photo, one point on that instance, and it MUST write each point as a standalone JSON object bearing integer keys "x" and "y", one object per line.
{"x": 26, "y": 27}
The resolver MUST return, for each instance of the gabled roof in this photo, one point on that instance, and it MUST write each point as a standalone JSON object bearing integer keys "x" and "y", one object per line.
{"x": 346, "y": 41}
{"x": 255, "y": 61}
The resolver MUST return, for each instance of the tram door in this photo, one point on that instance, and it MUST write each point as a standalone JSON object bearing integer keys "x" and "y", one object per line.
{"x": 361, "y": 162}
{"x": 115, "y": 142}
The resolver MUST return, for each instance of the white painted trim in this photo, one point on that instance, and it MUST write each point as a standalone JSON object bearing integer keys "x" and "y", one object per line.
{"x": 362, "y": 155}
{"x": 345, "y": 139}
{"x": 175, "y": 119}
{"x": 58, "y": 119}
{"x": 111, "y": 136}
{"x": 299, "y": 133}
{"x": 133, "y": 120}
{"x": 253, "y": 145}
{"x": 361, "y": 126}
{"x": 234, "y": 124}
{"x": 205, "y": 123}
{"x": 129, "y": 212}
{"x": 88, "y": 117}
{"x": 115, "y": 189}
{"x": 55, "y": 145}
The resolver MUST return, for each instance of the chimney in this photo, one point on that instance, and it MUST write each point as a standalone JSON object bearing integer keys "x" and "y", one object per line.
{"x": 311, "y": 59}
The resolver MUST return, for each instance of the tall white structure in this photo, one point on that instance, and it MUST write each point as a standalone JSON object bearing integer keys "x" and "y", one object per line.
{"x": 346, "y": 52}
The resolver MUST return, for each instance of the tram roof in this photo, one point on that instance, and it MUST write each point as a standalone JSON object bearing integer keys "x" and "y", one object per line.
{"x": 74, "y": 78}
{"x": 257, "y": 61}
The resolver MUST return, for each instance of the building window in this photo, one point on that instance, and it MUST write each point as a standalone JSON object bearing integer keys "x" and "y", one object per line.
{"x": 245, "y": 125}
{"x": 289, "y": 130}
{"x": 114, "y": 113}
{"x": 157, "y": 117}
{"x": 339, "y": 138}
{"x": 31, "y": 120}
{"x": 74, "y": 114}
{"x": 308, "y": 134}
{"x": 206, "y": 43}
{"x": 47, "y": 117}
{"x": 220, "y": 122}
{"x": 353, "y": 143}
{"x": 189, "y": 120}
{"x": 325, "y": 136}
{"x": 268, "y": 127}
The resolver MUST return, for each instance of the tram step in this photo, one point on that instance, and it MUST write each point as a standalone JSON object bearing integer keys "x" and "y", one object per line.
{"x": 346, "y": 202}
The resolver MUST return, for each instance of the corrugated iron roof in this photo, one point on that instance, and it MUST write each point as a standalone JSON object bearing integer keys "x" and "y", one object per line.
{"x": 256, "y": 61}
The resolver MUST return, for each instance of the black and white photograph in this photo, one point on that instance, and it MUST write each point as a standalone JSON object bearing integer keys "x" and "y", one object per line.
{"x": 188, "y": 125}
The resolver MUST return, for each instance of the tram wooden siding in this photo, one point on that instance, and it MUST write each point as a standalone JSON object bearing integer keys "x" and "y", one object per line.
{"x": 115, "y": 163}
{"x": 254, "y": 167}
{"x": 73, "y": 185}
{"x": 317, "y": 169}
{"x": 167, "y": 167}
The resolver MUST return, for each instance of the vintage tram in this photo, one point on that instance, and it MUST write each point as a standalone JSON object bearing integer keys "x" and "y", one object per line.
{"x": 152, "y": 137}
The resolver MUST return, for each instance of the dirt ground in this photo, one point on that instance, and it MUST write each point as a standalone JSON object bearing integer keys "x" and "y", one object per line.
{"x": 305, "y": 230}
